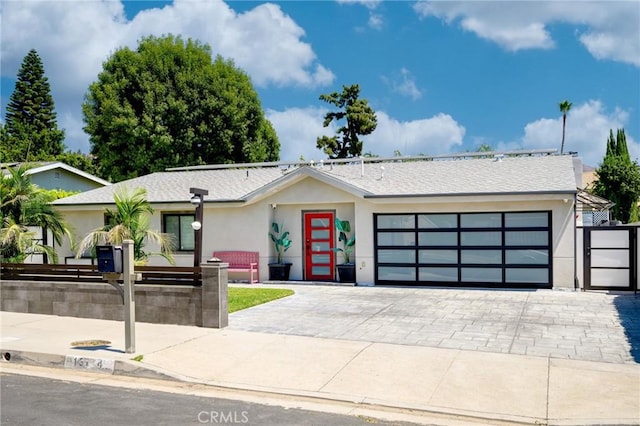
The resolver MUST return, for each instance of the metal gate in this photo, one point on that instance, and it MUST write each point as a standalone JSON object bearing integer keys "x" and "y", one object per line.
{"x": 610, "y": 259}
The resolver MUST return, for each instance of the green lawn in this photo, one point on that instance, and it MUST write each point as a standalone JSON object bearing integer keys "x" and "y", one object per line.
{"x": 244, "y": 297}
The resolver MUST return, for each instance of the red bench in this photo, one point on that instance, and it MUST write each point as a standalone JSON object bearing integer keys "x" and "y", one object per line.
{"x": 241, "y": 261}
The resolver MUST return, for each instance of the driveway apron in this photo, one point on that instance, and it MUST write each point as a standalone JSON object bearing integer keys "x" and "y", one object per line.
{"x": 590, "y": 326}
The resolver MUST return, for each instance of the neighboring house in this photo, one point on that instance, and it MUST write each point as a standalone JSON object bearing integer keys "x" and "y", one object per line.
{"x": 58, "y": 175}
{"x": 507, "y": 221}
{"x": 54, "y": 175}
{"x": 592, "y": 209}
{"x": 598, "y": 210}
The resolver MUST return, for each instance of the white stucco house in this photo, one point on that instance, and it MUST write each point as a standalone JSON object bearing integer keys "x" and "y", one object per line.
{"x": 472, "y": 219}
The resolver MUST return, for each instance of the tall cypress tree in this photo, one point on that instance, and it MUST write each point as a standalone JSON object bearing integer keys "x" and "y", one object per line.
{"x": 611, "y": 145}
{"x": 31, "y": 130}
{"x": 621, "y": 146}
{"x": 619, "y": 179}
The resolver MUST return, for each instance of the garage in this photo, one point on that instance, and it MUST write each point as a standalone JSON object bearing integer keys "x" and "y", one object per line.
{"x": 488, "y": 249}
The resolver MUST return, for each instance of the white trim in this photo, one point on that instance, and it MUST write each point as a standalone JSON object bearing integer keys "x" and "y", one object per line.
{"x": 64, "y": 166}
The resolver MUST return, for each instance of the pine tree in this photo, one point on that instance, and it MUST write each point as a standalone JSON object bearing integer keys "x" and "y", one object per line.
{"x": 31, "y": 130}
{"x": 359, "y": 120}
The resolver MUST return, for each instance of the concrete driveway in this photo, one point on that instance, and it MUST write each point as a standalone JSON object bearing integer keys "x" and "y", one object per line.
{"x": 590, "y": 326}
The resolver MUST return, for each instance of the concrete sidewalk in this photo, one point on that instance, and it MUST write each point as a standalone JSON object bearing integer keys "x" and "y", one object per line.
{"x": 470, "y": 384}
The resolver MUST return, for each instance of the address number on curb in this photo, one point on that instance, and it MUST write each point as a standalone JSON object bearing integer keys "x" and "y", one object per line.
{"x": 92, "y": 364}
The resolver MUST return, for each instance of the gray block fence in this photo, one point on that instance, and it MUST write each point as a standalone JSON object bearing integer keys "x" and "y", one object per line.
{"x": 204, "y": 306}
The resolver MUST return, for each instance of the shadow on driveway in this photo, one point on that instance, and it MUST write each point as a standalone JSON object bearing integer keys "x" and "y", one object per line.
{"x": 628, "y": 307}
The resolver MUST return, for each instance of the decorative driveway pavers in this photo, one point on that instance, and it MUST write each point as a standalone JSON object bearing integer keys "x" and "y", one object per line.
{"x": 590, "y": 326}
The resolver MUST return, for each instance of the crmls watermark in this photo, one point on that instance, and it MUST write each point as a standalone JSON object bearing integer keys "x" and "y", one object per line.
{"x": 224, "y": 417}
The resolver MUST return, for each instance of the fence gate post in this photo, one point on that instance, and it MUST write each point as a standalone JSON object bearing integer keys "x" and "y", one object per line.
{"x": 215, "y": 303}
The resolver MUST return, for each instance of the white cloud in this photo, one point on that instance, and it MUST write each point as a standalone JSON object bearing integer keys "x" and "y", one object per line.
{"x": 74, "y": 39}
{"x": 439, "y": 134}
{"x": 369, "y": 4}
{"x": 298, "y": 129}
{"x": 407, "y": 86}
{"x": 376, "y": 21}
{"x": 588, "y": 126}
{"x": 587, "y": 130}
{"x": 611, "y": 27}
{"x": 403, "y": 83}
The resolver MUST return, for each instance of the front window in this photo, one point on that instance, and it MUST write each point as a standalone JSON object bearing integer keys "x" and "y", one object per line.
{"x": 179, "y": 226}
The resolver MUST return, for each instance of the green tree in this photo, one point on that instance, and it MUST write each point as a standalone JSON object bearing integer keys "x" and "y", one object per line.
{"x": 5, "y": 155}
{"x": 619, "y": 179}
{"x": 23, "y": 204}
{"x": 31, "y": 131}
{"x": 565, "y": 106}
{"x": 621, "y": 146}
{"x": 80, "y": 161}
{"x": 360, "y": 118}
{"x": 130, "y": 220}
{"x": 168, "y": 104}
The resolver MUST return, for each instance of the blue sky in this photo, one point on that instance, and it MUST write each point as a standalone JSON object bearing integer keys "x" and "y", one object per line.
{"x": 442, "y": 76}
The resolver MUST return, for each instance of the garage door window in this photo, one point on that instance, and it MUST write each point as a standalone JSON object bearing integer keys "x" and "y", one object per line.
{"x": 494, "y": 248}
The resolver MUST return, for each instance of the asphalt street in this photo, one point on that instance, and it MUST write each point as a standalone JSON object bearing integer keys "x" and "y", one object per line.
{"x": 31, "y": 401}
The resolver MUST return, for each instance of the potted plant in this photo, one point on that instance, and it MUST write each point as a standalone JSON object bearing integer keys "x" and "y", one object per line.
{"x": 279, "y": 271}
{"x": 346, "y": 270}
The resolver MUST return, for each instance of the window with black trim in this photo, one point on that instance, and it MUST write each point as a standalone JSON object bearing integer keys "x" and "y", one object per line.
{"x": 179, "y": 226}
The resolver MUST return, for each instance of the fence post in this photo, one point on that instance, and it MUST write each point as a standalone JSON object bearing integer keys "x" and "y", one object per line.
{"x": 215, "y": 304}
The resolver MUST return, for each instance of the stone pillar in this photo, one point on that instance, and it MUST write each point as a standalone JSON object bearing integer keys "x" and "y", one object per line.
{"x": 215, "y": 303}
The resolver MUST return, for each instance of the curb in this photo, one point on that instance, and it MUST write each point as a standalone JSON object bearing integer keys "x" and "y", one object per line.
{"x": 76, "y": 362}
{"x": 109, "y": 366}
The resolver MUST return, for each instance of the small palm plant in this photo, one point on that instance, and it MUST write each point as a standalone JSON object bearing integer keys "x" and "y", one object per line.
{"x": 280, "y": 239}
{"x": 129, "y": 221}
{"x": 348, "y": 242}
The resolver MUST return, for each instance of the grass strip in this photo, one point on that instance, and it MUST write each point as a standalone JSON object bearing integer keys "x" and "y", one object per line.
{"x": 245, "y": 297}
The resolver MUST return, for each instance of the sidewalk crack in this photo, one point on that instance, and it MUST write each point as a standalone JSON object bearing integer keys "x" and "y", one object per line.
{"x": 345, "y": 366}
{"x": 548, "y": 387}
{"x": 518, "y": 322}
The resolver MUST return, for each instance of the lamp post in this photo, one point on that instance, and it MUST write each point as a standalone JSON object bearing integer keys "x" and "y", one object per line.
{"x": 196, "y": 200}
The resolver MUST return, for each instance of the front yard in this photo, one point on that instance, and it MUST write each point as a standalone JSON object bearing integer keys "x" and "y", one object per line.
{"x": 245, "y": 297}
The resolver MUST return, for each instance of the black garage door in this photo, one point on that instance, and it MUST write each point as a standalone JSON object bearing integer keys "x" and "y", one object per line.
{"x": 497, "y": 249}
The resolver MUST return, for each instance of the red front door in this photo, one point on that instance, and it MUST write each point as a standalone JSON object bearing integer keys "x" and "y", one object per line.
{"x": 319, "y": 241}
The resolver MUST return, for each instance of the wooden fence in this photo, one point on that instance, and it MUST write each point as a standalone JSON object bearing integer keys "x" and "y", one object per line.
{"x": 157, "y": 275}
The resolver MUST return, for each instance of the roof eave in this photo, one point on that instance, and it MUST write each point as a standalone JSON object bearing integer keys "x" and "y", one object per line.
{"x": 64, "y": 166}
{"x": 469, "y": 194}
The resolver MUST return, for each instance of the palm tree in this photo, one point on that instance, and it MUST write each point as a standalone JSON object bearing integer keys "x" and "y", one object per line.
{"x": 130, "y": 220}
{"x": 565, "y": 106}
{"x": 23, "y": 204}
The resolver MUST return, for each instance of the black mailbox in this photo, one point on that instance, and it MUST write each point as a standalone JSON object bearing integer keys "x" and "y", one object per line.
{"x": 109, "y": 259}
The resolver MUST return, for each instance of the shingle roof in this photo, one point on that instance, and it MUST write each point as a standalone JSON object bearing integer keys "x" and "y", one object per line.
{"x": 468, "y": 176}
{"x": 538, "y": 174}
{"x": 167, "y": 187}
